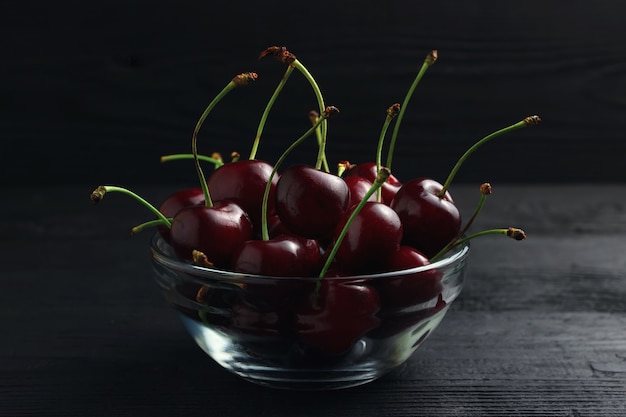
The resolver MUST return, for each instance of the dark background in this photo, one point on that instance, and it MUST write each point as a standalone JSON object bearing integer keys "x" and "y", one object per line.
{"x": 96, "y": 92}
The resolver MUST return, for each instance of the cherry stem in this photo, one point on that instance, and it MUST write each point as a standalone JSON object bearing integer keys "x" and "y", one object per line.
{"x": 343, "y": 166}
{"x": 321, "y": 155}
{"x": 283, "y": 55}
{"x": 512, "y": 232}
{"x": 428, "y": 61}
{"x": 141, "y": 227}
{"x": 266, "y": 112}
{"x": 485, "y": 190}
{"x": 382, "y": 176}
{"x": 392, "y": 112}
{"x": 313, "y": 117}
{"x": 528, "y": 121}
{"x": 98, "y": 194}
{"x": 330, "y": 110}
{"x": 179, "y": 156}
{"x": 239, "y": 80}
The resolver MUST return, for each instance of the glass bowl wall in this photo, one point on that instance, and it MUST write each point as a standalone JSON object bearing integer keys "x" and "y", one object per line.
{"x": 282, "y": 332}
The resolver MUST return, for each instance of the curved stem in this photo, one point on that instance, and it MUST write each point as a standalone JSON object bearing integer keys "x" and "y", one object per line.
{"x": 179, "y": 156}
{"x": 428, "y": 61}
{"x": 455, "y": 169}
{"x": 392, "y": 112}
{"x": 321, "y": 155}
{"x": 141, "y": 227}
{"x": 266, "y": 194}
{"x": 266, "y": 112}
{"x": 511, "y": 232}
{"x": 379, "y": 151}
{"x": 194, "y": 140}
{"x": 454, "y": 241}
{"x": 98, "y": 194}
{"x": 239, "y": 80}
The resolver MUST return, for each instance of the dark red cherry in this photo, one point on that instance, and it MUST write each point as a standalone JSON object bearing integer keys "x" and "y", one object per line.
{"x": 177, "y": 201}
{"x": 244, "y": 183}
{"x": 369, "y": 171}
{"x": 282, "y": 256}
{"x": 358, "y": 187}
{"x": 310, "y": 202}
{"x": 373, "y": 235}
{"x": 215, "y": 231}
{"x": 341, "y": 314}
{"x": 429, "y": 222}
{"x": 408, "y": 290}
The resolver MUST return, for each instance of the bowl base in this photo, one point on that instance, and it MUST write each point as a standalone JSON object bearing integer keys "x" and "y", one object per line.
{"x": 280, "y": 362}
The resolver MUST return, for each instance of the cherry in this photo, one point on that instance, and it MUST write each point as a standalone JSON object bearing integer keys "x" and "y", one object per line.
{"x": 374, "y": 233}
{"x": 358, "y": 187}
{"x": 340, "y": 314}
{"x": 408, "y": 290}
{"x": 429, "y": 221}
{"x": 369, "y": 170}
{"x": 429, "y": 217}
{"x": 177, "y": 201}
{"x": 283, "y": 256}
{"x": 243, "y": 182}
{"x": 311, "y": 202}
{"x": 215, "y": 231}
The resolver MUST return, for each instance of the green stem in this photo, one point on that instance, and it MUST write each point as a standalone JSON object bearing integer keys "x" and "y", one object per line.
{"x": 266, "y": 194}
{"x": 392, "y": 112}
{"x": 383, "y": 174}
{"x": 99, "y": 193}
{"x": 454, "y": 241}
{"x": 266, "y": 112}
{"x": 194, "y": 141}
{"x": 321, "y": 155}
{"x": 513, "y": 233}
{"x": 379, "y": 151}
{"x": 428, "y": 61}
{"x": 141, "y": 227}
{"x": 318, "y": 135}
{"x": 179, "y": 156}
{"x": 528, "y": 121}
{"x": 238, "y": 80}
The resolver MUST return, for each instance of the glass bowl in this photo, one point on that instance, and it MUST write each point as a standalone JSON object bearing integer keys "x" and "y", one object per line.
{"x": 286, "y": 333}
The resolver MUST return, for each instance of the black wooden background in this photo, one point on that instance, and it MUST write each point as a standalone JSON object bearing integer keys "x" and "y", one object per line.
{"x": 95, "y": 92}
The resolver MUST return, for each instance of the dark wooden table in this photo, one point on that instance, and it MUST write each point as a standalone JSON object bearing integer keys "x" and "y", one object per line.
{"x": 539, "y": 329}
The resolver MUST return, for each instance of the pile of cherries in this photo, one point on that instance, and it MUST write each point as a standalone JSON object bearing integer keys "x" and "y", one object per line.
{"x": 252, "y": 217}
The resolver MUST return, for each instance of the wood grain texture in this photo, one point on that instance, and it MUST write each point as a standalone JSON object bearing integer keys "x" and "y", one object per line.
{"x": 539, "y": 329}
{"x": 102, "y": 92}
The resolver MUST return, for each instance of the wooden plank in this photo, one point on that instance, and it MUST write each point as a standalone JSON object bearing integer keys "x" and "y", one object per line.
{"x": 108, "y": 90}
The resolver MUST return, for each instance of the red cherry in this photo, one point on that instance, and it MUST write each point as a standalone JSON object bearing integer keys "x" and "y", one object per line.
{"x": 310, "y": 202}
{"x": 243, "y": 182}
{"x": 429, "y": 222}
{"x": 342, "y": 313}
{"x": 358, "y": 187}
{"x": 375, "y": 232}
{"x": 369, "y": 171}
{"x": 283, "y": 256}
{"x": 177, "y": 201}
{"x": 407, "y": 290}
{"x": 215, "y": 231}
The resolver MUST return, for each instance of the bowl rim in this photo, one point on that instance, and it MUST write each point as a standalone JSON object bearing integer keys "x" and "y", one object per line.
{"x": 160, "y": 256}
